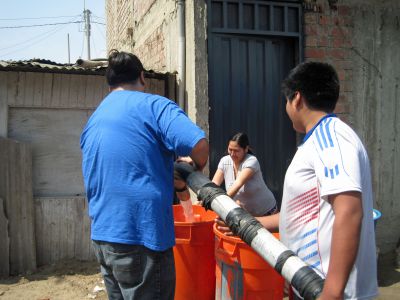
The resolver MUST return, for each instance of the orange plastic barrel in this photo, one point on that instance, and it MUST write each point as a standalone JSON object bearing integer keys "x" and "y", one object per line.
{"x": 194, "y": 255}
{"x": 242, "y": 274}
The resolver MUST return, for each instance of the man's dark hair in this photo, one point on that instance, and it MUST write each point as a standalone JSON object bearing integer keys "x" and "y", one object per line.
{"x": 123, "y": 67}
{"x": 317, "y": 82}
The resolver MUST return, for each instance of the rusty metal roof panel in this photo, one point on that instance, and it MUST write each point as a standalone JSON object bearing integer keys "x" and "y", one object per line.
{"x": 95, "y": 67}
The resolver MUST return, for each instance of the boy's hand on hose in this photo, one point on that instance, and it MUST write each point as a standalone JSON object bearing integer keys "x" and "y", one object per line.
{"x": 221, "y": 226}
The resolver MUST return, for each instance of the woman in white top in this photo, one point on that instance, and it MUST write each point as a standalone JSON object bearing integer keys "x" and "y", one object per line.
{"x": 243, "y": 178}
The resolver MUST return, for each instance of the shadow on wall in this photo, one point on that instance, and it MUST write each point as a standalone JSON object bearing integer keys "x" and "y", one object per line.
{"x": 388, "y": 268}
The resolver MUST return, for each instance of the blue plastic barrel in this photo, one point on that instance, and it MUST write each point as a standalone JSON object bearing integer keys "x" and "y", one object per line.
{"x": 376, "y": 214}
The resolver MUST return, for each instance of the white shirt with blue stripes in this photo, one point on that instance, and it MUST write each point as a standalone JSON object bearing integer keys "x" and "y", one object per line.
{"x": 331, "y": 160}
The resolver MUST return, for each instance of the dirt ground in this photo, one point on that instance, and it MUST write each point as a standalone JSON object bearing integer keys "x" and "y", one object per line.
{"x": 81, "y": 280}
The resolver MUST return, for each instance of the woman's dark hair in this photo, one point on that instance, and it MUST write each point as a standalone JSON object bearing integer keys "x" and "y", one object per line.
{"x": 242, "y": 139}
{"x": 317, "y": 82}
{"x": 122, "y": 68}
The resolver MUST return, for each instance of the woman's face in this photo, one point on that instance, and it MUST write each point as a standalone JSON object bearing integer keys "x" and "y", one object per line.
{"x": 236, "y": 152}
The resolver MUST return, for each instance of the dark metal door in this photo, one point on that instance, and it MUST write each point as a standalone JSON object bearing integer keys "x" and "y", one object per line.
{"x": 246, "y": 67}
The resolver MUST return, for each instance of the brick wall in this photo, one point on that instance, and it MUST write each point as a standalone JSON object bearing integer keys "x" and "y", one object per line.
{"x": 139, "y": 26}
{"x": 328, "y": 34}
{"x": 152, "y": 51}
{"x": 141, "y": 7}
{"x": 119, "y": 24}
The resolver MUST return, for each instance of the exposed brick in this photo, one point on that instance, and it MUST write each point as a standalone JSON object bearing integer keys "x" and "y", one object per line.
{"x": 339, "y": 43}
{"x": 339, "y": 32}
{"x": 344, "y": 64}
{"x": 342, "y": 106}
{"x": 344, "y": 10}
{"x": 152, "y": 51}
{"x": 338, "y": 53}
{"x": 325, "y": 20}
{"x": 311, "y": 41}
{"x": 346, "y": 86}
{"x": 323, "y": 41}
{"x": 311, "y": 30}
{"x": 343, "y": 21}
{"x": 310, "y": 18}
{"x": 140, "y": 8}
{"x": 314, "y": 53}
{"x": 341, "y": 74}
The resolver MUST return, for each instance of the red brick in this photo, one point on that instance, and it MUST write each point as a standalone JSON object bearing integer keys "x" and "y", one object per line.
{"x": 346, "y": 86}
{"x": 338, "y": 43}
{"x": 347, "y": 21}
{"x": 311, "y": 41}
{"x": 341, "y": 74}
{"x": 310, "y": 18}
{"x": 311, "y": 30}
{"x": 338, "y": 32}
{"x": 314, "y": 53}
{"x": 323, "y": 41}
{"x": 325, "y": 20}
{"x": 344, "y": 10}
{"x": 336, "y": 53}
{"x": 344, "y": 64}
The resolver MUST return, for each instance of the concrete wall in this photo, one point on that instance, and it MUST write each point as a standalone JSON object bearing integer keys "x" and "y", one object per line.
{"x": 362, "y": 40}
{"x": 376, "y": 109}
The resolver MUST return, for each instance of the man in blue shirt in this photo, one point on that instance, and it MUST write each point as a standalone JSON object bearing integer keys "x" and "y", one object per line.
{"x": 128, "y": 147}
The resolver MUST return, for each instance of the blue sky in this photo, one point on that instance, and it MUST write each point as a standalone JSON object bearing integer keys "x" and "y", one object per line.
{"x": 50, "y": 41}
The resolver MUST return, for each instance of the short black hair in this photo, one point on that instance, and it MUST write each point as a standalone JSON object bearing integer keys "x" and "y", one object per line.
{"x": 317, "y": 82}
{"x": 123, "y": 67}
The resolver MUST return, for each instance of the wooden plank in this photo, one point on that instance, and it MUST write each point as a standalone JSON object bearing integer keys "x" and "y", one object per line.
{"x": 63, "y": 229}
{"x": 56, "y": 90}
{"x": 65, "y": 89}
{"x": 37, "y": 96}
{"x": 56, "y": 157}
{"x": 16, "y": 190}
{"x": 3, "y": 104}
{"x": 4, "y": 242}
{"x": 81, "y": 91}
{"x": 47, "y": 89}
{"x": 91, "y": 100}
{"x": 20, "y": 94}
{"x": 74, "y": 91}
{"x": 29, "y": 88}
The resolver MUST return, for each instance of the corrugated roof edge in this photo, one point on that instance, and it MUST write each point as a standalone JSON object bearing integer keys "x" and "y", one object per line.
{"x": 84, "y": 67}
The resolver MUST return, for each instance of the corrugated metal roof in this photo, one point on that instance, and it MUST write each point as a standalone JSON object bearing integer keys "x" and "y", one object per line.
{"x": 93, "y": 67}
{"x": 88, "y": 67}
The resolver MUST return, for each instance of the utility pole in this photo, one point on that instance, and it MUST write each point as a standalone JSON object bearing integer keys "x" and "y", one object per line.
{"x": 86, "y": 16}
{"x": 69, "y": 56}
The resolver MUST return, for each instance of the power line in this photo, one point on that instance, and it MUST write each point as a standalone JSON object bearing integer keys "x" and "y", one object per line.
{"x": 35, "y": 18}
{"x": 50, "y": 33}
{"x": 97, "y": 23}
{"x": 97, "y": 17}
{"x": 101, "y": 32}
{"x": 33, "y": 38}
{"x": 38, "y": 25}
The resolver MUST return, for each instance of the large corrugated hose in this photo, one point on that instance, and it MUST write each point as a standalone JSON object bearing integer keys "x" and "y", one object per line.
{"x": 303, "y": 278}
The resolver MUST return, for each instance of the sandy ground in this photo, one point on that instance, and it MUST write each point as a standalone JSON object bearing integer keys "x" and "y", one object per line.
{"x": 81, "y": 280}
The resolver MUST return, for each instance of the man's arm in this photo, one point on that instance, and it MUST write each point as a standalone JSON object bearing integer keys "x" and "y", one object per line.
{"x": 200, "y": 154}
{"x": 198, "y": 157}
{"x": 271, "y": 223}
{"x": 345, "y": 241}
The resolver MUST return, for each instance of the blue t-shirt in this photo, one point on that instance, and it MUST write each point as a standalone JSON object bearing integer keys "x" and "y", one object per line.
{"x": 128, "y": 147}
